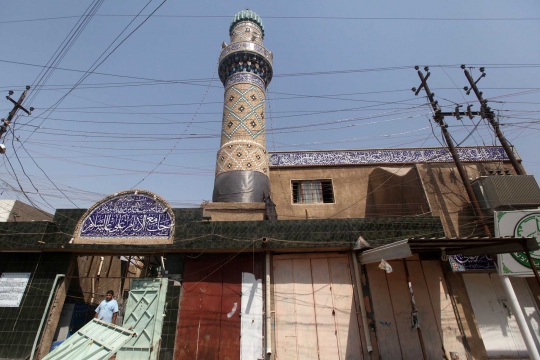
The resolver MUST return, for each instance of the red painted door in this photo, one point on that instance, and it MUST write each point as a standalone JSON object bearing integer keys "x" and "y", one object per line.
{"x": 209, "y": 317}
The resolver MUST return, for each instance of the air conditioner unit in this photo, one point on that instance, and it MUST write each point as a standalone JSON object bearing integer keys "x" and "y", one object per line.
{"x": 507, "y": 192}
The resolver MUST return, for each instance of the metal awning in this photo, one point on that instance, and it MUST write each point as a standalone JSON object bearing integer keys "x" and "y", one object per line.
{"x": 449, "y": 246}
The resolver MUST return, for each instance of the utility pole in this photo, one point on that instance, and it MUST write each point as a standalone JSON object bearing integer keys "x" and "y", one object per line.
{"x": 439, "y": 119}
{"x": 486, "y": 113}
{"x": 16, "y": 106}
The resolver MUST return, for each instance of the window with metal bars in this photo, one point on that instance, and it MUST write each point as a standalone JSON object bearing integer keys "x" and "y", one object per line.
{"x": 312, "y": 192}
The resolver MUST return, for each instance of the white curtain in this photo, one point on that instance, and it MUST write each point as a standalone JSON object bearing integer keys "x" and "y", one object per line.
{"x": 312, "y": 192}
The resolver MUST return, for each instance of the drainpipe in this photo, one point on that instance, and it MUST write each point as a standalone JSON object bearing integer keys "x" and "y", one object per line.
{"x": 520, "y": 319}
{"x": 45, "y": 312}
{"x": 268, "y": 309}
{"x": 360, "y": 294}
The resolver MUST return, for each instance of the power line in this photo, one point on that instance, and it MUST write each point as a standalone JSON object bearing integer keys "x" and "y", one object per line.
{"x": 289, "y": 18}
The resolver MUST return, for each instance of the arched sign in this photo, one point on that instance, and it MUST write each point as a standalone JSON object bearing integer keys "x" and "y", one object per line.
{"x": 128, "y": 217}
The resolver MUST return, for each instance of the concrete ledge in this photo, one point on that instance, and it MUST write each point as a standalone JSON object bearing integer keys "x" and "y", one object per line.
{"x": 229, "y": 211}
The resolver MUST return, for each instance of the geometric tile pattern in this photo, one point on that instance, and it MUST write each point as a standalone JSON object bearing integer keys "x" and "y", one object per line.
{"x": 386, "y": 156}
{"x": 246, "y": 31}
{"x": 242, "y": 155}
{"x": 243, "y": 112}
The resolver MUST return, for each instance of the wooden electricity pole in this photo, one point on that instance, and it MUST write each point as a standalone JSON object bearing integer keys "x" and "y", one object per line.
{"x": 439, "y": 119}
{"x": 486, "y": 113}
{"x": 16, "y": 106}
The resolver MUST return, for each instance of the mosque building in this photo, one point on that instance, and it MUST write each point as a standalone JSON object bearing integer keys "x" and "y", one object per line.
{"x": 300, "y": 255}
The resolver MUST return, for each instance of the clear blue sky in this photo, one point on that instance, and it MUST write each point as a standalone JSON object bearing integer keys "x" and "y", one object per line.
{"x": 111, "y": 131}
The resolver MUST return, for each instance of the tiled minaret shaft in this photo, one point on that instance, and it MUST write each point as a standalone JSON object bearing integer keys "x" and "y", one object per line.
{"x": 245, "y": 68}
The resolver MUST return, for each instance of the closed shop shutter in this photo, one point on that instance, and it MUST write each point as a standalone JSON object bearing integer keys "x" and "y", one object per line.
{"x": 392, "y": 310}
{"x": 497, "y": 324}
{"x": 315, "y": 308}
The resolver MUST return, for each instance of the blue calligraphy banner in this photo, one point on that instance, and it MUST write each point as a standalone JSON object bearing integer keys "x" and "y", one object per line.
{"x": 468, "y": 263}
{"x": 133, "y": 214}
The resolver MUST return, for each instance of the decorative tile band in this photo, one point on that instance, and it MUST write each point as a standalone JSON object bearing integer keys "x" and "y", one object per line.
{"x": 242, "y": 155}
{"x": 386, "y": 156}
{"x": 247, "y": 46}
{"x": 245, "y": 78}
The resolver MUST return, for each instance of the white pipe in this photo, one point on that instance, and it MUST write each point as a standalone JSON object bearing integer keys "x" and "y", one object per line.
{"x": 268, "y": 336}
{"x": 101, "y": 258}
{"x": 520, "y": 319}
{"x": 162, "y": 266}
{"x": 45, "y": 312}
{"x": 360, "y": 294}
{"x": 93, "y": 289}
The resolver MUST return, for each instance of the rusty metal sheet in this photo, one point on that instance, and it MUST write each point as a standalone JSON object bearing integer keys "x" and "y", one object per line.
{"x": 209, "y": 320}
{"x": 231, "y": 312}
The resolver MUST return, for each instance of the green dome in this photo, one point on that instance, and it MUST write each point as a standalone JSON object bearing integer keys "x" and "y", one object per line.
{"x": 246, "y": 15}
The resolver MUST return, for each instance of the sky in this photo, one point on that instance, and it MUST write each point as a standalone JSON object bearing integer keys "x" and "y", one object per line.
{"x": 149, "y": 116}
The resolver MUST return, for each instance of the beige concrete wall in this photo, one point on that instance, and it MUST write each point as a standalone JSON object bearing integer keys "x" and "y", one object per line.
{"x": 447, "y": 197}
{"x": 222, "y": 211}
{"x": 350, "y": 185}
{"x": 359, "y": 191}
{"x": 395, "y": 192}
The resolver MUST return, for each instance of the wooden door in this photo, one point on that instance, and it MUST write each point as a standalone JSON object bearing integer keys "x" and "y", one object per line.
{"x": 315, "y": 308}
{"x": 392, "y": 310}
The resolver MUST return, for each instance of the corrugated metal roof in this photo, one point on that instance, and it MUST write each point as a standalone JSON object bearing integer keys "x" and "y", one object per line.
{"x": 97, "y": 340}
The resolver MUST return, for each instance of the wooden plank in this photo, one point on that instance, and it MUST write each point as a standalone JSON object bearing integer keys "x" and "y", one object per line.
{"x": 443, "y": 309}
{"x": 401, "y": 303}
{"x": 251, "y": 346}
{"x": 385, "y": 323}
{"x": 345, "y": 309}
{"x": 306, "y": 329}
{"x": 324, "y": 310}
{"x": 285, "y": 318}
{"x": 490, "y": 316}
{"x": 428, "y": 323}
{"x": 230, "y": 311}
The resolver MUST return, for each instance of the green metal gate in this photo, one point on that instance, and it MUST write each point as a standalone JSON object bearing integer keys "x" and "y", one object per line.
{"x": 144, "y": 315}
{"x": 97, "y": 340}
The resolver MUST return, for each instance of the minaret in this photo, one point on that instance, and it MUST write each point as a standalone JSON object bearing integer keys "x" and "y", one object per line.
{"x": 245, "y": 68}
